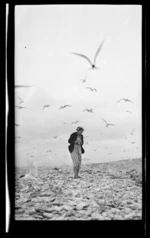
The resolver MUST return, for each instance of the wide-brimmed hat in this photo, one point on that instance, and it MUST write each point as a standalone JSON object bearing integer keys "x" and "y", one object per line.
{"x": 79, "y": 128}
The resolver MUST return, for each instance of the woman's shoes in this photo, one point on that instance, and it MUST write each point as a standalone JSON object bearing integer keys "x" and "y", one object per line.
{"x": 75, "y": 177}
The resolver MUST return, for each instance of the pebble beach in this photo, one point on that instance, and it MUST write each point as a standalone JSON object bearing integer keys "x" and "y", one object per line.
{"x": 104, "y": 191}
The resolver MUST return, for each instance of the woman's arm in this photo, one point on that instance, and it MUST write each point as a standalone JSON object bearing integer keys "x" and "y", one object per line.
{"x": 82, "y": 141}
{"x": 71, "y": 139}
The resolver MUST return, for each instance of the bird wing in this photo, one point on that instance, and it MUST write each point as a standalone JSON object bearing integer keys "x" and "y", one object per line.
{"x": 104, "y": 120}
{"x": 120, "y": 100}
{"x": 19, "y": 98}
{"x": 89, "y": 88}
{"x": 98, "y": 50}
{"x": 130, "y": 101}
{"x": 112, "y": 124}
{"x": 84, "y": 56}
{"x": 132, "y": 131}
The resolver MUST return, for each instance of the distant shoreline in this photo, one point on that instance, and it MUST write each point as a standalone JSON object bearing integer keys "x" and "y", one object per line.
{"x": 92, "y": 164}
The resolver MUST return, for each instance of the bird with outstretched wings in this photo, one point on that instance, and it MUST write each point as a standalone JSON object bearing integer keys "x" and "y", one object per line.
{"x": 62, "y": 107}
{"x": 46, "y": 106}
{"x": 93, "y": 65}
{"x": 124, "y": 99}
{"x": 92, "y": 89}
{"x": 108, "y": 124}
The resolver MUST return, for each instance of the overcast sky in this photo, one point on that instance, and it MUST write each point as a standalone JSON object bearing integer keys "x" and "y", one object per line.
{"x": 45, "y": 37}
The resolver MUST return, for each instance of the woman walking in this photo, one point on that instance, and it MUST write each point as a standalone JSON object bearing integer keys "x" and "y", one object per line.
{"x": 75, "y": 148}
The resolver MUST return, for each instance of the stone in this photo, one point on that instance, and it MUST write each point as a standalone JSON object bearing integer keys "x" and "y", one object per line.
{"x": 88, "y": 212}
{"x": 127, "y": 210}
{"x": 129, "y": 202}
{"x": 66, "y": 207}
{"x": 133, "y": 206}
{"x": 28, "y": 218}
{"x": 96, "y": 216}
{"x": 48, "y": 215}
{"x": 31, "y": 211}
{"x": 38, "y": 216}
{"x": 104, "y": 214}
{"x": 106, "y": 218}
{"x": 81, "y": 206}
{"x": 129, "y": 216}
{"x": 70, "y": 213}
{"x": 114, "y": 210}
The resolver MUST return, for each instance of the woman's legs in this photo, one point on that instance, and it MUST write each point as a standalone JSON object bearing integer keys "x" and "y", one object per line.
{"x": 75, "y": 162}
{"x": 79, "y": 162}
{"x": 76, "y": 158}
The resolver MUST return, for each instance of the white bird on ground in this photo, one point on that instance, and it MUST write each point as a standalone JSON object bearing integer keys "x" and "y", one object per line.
{"x": 32, "y": 171}
{"x": 108, "y": 124}
{"x": 93, "y": 66}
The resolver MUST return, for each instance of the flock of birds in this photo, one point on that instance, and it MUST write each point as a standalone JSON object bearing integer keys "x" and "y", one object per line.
{"x": 89, "y": 110}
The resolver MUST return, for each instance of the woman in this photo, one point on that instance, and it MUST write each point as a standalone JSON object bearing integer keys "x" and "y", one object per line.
{"x": 76, "y": 149}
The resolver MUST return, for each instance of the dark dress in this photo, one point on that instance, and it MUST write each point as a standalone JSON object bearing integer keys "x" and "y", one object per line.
{"x": 72, "y": 139}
